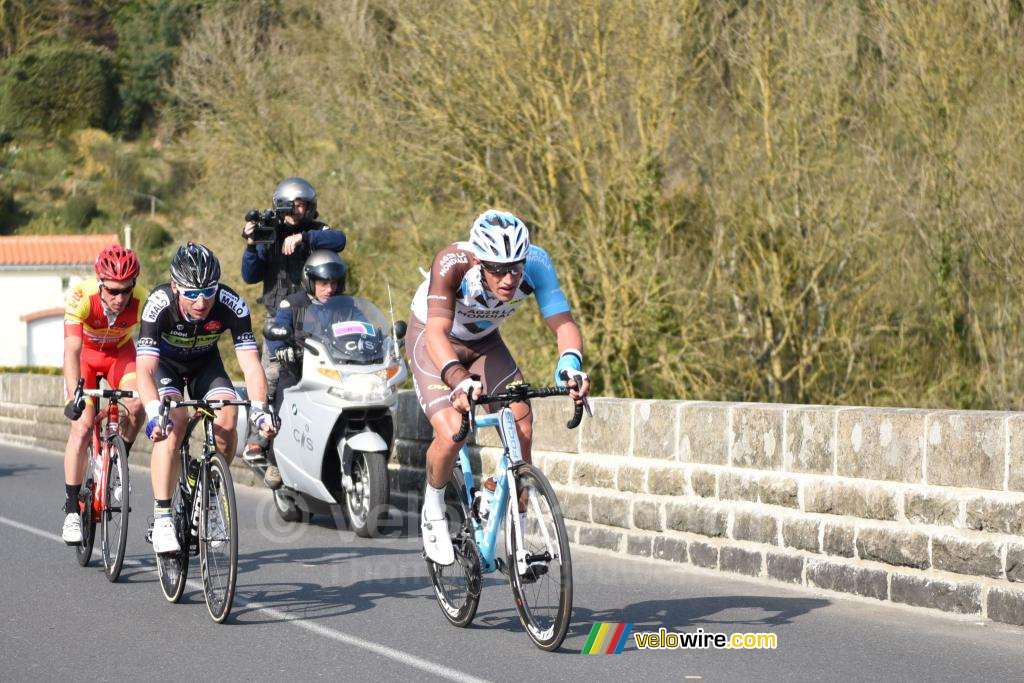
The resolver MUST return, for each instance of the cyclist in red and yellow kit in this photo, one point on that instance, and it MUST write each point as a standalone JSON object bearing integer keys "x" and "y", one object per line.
{"x": 99, "y": 320}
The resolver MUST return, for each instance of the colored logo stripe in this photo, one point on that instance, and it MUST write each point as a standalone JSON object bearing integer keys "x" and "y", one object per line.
{"x": 607, "y": 638}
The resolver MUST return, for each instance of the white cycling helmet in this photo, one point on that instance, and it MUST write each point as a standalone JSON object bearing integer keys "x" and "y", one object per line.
{"x": 499, "y": 237}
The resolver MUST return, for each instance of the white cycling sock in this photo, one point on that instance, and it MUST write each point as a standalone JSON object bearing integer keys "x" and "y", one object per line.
{"x": 433, "y": 503}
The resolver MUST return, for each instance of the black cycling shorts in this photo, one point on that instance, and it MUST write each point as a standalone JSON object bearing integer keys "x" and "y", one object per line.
{"x": 204, "y": 378}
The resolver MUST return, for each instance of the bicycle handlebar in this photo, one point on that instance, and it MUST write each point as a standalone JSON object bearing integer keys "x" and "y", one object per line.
{"x": 514, "y": 393}
{"x": 110, "y": 393}
{"x": 167, "y": 403}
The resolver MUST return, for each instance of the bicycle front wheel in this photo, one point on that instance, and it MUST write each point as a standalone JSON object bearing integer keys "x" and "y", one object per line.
{"x": 457, "y": 586}
{"x": 173, "y": 567}
{"x": 540, "y": 570}
{"x": 218, "y": 540}
{"x": 83, "y": 551}
{"x": 115, "y": 509}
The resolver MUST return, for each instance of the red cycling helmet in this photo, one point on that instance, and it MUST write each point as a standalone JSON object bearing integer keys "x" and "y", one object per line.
{"x": 117, "y": 263}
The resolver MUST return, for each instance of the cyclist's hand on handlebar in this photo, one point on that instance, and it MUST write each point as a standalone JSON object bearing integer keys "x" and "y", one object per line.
{"x": 579, "y": 384}
{"x": 460, "y": 395}
{"x": 74, "y": 407}
{"x": 158, "y": 425}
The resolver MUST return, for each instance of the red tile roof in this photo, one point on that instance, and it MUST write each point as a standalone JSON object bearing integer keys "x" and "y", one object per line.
{"x": 53, "y": 250}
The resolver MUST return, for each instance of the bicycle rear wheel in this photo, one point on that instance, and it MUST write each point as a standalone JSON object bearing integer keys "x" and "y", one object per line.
{"x": 544, "y": 591}
{"x": 83, "y": 551}
{"x": 218, "y": 539}
{"x": 173, "y": 567}
{"x": 114, "y": 517}
{"x": 457, "y": 586}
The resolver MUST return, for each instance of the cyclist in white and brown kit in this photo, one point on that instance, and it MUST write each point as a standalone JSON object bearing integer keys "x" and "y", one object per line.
{"x": 453, "y": 338}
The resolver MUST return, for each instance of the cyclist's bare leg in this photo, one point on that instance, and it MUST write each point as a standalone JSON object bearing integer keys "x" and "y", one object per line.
{"x": 135, "y": 415}
{"x": 524, "y": 428}
{"x": 78, "y": 442}
{"x": 443, "y": 451}
{"x": 224, "y": 431}
{"x": 164, "y": 465}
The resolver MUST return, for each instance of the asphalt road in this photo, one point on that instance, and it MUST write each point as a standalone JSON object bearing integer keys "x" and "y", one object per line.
{"x": 314, "y": 601}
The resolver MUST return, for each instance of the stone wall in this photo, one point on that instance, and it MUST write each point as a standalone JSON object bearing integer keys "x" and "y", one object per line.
{"x": 917, "y": 507}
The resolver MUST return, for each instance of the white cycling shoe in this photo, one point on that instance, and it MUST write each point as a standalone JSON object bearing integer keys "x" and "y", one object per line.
{"x": 165, "y": 540}
{"x": 437, "y": 544}
{"x": 72, "y": 531}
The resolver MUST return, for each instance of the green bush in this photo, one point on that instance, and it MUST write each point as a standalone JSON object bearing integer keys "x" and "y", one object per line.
{"x": 60, "y": 87}
{"x": 79, "y": 211}
{"x": 148, "y": 236}
{"x": 8, "y": 209}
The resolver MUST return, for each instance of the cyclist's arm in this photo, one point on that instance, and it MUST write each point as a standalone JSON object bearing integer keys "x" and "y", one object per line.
{"x": 255, "y": 380}
{"x": 145, "y": 369}
{"x": 441, "y": 351}
{"x": 72, "y": 363}
{"x": 570, "y": 341}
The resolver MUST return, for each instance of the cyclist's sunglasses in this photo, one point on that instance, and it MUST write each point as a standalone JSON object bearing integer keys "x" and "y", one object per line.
{"x": 205, "y": 292}
{"x": 118, "y": 292}
{"x": 503, "y": 269}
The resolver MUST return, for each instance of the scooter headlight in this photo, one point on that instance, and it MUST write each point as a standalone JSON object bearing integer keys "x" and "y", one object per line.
{"x": 361, "y": 388}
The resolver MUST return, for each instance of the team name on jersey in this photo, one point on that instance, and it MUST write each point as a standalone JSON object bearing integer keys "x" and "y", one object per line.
{"x": 156, "y": 302}
{"x": 234, "y": 302}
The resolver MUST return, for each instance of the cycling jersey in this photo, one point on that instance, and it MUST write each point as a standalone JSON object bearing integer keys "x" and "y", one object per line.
{"x": 85, "y": 316}
{"x": 455, "y": 289}
{"x": 166, "y": 334}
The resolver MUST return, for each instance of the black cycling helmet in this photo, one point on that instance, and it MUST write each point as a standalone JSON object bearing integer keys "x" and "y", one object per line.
{"x": 290, "y": 189}
{"x": 323, "y": 264}
{"x": 194, "y": 266}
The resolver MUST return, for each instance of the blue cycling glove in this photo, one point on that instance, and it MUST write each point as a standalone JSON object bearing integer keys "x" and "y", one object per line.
{"x": 572, "y": 362}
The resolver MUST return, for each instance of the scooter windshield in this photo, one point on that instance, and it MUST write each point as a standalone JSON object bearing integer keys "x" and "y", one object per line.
{"x": 351, "y": 328}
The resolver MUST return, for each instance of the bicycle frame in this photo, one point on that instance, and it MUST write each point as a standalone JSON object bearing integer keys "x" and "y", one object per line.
{"x": 101, "y": 437}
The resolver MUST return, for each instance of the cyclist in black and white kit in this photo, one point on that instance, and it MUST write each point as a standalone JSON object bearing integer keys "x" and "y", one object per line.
{"x": 177, "y": 349}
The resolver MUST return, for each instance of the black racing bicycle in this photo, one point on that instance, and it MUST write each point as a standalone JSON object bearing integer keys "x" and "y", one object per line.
{"x": 204, "y": 513}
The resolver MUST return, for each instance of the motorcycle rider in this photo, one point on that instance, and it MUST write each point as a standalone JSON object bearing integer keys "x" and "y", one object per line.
{"x": 278, "y": 265}
{"x": 471, "y": 289}
{"x": 323, "y": 276}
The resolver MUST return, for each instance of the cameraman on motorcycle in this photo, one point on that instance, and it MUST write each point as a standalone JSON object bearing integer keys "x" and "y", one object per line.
{"x": 323, "y": 276}
{"x": 278, "y": 265}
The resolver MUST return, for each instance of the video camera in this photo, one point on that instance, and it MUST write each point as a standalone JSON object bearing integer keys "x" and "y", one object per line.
{"x": 266, "y": 222}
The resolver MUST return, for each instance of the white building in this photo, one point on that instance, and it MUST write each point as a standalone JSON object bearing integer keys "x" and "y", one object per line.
{"x": 35, "y": 274}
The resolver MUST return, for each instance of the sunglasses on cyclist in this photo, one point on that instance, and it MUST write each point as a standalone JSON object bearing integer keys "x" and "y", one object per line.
{"x": 118, "y": 292}
{"x": 503, "y": 269}
{"x": 193, "y": 294}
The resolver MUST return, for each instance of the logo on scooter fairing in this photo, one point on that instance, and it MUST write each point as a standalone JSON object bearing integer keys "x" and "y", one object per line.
{"x": 303, "y": 438}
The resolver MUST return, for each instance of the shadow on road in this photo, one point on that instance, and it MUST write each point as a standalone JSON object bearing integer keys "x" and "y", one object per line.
{"x": 12, "y": 470}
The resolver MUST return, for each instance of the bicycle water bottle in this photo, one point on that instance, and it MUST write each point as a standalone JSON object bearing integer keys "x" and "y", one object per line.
{"x": 193, "y": 473}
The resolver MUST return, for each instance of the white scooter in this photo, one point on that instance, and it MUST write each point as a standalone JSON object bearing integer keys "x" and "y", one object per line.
{"x": 337, "y": 422}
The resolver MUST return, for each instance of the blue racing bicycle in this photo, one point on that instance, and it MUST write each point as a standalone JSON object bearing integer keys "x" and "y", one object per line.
{"x": 537, "y": 559}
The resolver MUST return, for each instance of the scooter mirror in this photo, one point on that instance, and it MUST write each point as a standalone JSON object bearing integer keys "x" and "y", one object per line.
{"x": 400, "y": 328}
{"x": 274, "y": 332}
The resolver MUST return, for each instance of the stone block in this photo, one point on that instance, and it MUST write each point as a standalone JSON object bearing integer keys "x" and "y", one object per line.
{"x": 647, "y": 515}
{"x": 1006, "y": 605}
{"x": 632, "y": 478}
{"x": 549, "y": 430}
{"x": 696, "y": 518}
{"x": 557, "y": 469}
{"x": 608, "y": 539}
{"x": 881, "y": 443}
{"x": 703, "y": 555}
{"x": 966, "y": 449}
{"x": 572, "y": 531}
{"x": 638, "y": 545}
{"x": 410, "y": 453}
{"x": 893, "y": 546}
{"x": 845, "y": 578}
{"x": 654, "y": 429}
{"x": 787, "y": 568}
{"x": 923, "y": 507}
{"x": 703, "y": 433}
{"x": 586, "y": 473}
{"x": 838, "y": 540}
{"x": 996, "y": 516}
{"x": 410, "y": 422}
{"x": 810, "y": 439}
{"x": 737, "y": 486}
{"x": 608, "y": 432}
{"x": 782, "y": 491}
{"x": 854, "y": 500}
{"x": 1015, "y": 438}
{"x": 922, "y": 591}
{"x": 703, "y": 483}
{"x": 967, "y": 557}
{"x": 1015, "y": 563}
{"x": 756, "y": 527}
{"x": 756, "y": 436}
{"x": 673, "y": 549}
{"x": 666, "y": 481}
{"x": 609, "y": 510}
{"x": 740, "y": 561}
{"x": 801, "y": 534}
{"x": 575, "y": 505}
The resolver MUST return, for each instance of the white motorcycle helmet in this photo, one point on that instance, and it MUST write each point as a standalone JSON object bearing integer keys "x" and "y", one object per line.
{"x": 499, "y": 237}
